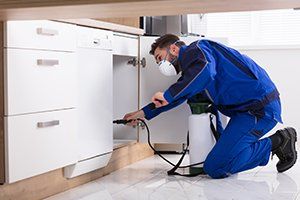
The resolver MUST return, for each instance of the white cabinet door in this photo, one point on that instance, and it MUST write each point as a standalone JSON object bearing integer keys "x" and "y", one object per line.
{"x": 38, "y": 143}
{"x": 95, "y": 102}
{"x": 171, "y": 126}
{"x": 125, "y": 95}
{"x": 39, "y": 81}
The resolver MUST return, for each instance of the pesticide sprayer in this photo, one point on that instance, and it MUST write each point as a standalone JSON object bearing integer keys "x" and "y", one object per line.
{"x": 201, "y": 138}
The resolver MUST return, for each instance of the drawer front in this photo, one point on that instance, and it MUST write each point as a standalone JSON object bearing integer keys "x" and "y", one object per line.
{"x": 38, "y": 143}
{"x": 40, "y": 34}
{"x": 39, "y": 81}
{"x": 93, "y": 38}
{"x": 125, "y": 45}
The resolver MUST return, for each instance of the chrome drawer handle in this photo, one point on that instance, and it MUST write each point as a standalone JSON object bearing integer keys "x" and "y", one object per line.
{"x": 46, "y": 62}
{"x": 47, "y": 32}
{"x": 48, "y": 124}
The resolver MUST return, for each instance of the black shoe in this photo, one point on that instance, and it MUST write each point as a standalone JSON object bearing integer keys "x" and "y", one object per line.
{"x": 286, "y": 152}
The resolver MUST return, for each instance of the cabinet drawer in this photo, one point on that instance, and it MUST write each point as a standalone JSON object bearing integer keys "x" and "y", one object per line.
{"x": 39, "y": 81}
{"x": 40, "y": 34}
{"x": 125, "y": 45}
{"x": 38, "y": 143}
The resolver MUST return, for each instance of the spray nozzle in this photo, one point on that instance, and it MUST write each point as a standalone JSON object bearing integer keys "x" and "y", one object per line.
{"x": 122, "y": 121}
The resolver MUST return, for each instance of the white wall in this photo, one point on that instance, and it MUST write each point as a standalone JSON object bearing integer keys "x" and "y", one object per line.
{"x": 283, "y": 66}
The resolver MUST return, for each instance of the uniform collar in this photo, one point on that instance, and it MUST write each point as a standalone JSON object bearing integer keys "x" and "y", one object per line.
{"x": 180, "y": 56}
{"x": 181, "y": 51}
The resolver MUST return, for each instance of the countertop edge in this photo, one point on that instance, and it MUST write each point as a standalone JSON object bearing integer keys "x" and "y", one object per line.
{"x": 103, "y": 25}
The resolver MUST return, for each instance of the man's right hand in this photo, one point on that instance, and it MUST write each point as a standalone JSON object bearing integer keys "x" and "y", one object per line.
{"x": 133, "y": 116}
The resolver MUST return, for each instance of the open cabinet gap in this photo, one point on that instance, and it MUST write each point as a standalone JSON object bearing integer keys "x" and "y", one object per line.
{"x": 2, "y": 140}
{"x": 125, "y": 98}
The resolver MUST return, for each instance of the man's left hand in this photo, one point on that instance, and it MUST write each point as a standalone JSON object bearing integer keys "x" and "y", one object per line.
{"x": 159, "y": 100}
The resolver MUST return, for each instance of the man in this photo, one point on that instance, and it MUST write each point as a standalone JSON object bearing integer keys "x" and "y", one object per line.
{"x": 237, "y": 87}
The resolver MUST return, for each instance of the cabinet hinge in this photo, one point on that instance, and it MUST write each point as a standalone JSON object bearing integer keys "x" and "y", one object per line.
{"x": 143, "y": 62}
{"x": 134, "y": 62}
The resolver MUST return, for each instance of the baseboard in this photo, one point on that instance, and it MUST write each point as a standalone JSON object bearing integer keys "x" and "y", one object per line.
{"x": 53, "y": 182}
{"x": 164, "y": 147}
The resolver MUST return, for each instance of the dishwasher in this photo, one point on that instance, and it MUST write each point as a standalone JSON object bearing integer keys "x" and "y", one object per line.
{"x": 94, "y": 102}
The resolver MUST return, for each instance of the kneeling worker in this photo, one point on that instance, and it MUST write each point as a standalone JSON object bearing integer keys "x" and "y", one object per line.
{"x": 237, "y": 87}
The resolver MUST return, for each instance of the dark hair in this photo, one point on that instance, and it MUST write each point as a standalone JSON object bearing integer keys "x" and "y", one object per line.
{"x": 165, "y": 41}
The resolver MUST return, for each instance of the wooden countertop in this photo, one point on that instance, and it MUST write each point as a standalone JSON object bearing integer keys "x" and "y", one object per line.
{"x": 105, "y": 25}
{"x": 72, "y": 9}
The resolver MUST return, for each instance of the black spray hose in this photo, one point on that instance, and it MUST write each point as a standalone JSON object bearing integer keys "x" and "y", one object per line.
{"x": 123, "y": 121}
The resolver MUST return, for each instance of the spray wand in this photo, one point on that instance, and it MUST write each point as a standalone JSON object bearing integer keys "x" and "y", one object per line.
{"x": 175, "y": 166}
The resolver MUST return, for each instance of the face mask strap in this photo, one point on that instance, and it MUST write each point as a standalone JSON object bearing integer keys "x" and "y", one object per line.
{"x": 176, "y": 42}
{"x": 168, "y": 50}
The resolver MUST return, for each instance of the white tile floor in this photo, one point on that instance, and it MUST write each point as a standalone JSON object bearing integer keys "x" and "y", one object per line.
{"x": 147, "y": 179}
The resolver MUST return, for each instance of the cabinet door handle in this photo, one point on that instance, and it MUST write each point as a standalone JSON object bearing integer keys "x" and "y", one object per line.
{"x": 47, "y": 32}
{"x": 47, "y": 62}
{"x": 48, "y": 124}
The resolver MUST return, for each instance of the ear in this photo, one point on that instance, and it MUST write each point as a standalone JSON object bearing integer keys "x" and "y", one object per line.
{"x": 174, "y": 49}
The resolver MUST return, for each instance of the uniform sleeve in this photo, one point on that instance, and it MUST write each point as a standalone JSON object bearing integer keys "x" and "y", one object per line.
{"x": 151, "y": 111}
{"x": 200, "y": 71}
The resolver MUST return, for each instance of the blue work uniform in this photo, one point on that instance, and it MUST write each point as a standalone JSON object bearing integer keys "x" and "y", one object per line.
{"x": 237, "y": 87}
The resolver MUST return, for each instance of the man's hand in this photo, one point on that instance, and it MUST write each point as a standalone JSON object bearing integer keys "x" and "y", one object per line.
{"x": 159, "y": 100}
{"x": 133, "y": 116}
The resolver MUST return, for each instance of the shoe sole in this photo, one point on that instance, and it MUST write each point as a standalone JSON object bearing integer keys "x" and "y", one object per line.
{"x": 293, "y": 134}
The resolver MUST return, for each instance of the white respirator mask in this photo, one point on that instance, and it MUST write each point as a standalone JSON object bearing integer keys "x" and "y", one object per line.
{"x": 166, "y": 67}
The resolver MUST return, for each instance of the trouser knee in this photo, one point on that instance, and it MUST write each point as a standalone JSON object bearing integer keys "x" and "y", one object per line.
{"x": 213, "y": 169}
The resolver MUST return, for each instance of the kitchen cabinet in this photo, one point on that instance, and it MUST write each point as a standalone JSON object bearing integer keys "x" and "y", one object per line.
{"x": 63, "y": 86}
{"x": 58, "y": 88}
{"x": 40, "y": 81}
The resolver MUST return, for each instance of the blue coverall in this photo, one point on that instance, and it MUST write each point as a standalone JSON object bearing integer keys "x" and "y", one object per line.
{"x": 237, "y": 87}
